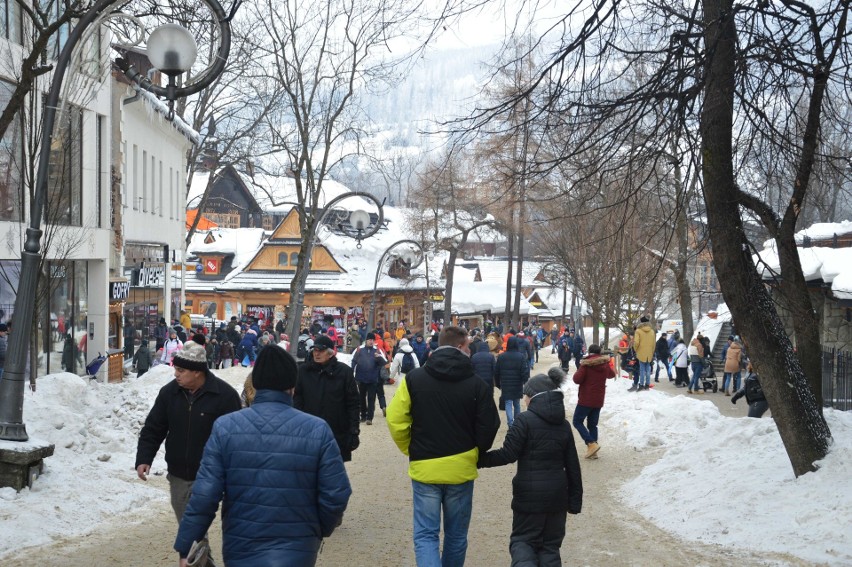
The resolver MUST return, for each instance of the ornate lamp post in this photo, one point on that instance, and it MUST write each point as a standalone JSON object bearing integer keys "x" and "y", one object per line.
{"x": 172, "y": 50}
{"x": 359, "y": 228}
{"x": 412, "y": 258}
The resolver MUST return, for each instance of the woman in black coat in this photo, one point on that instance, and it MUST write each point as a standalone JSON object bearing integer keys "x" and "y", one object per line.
{"x": 510, "y": 374}
{"x": 484, "y": 363}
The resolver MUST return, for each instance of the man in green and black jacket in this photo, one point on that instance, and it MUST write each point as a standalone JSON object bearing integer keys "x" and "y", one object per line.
{"x": 443, "y": 416}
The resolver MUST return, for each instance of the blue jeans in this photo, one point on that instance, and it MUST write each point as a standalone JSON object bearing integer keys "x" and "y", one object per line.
{"x": 644, "y": 373}
{"x": 590, "y": 415}
{"x": 697, "y": 367}
{"x": 456, "y": 501}
{"x": 727, "y": 380}
{"x": 513, "y": 407}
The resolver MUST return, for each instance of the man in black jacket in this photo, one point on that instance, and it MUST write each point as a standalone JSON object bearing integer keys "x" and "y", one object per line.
{"x": 510, "y": 374}
{"x": 326, "y": 388}
{"x": 662, "y": 352}
{"x": 183, "y": 416}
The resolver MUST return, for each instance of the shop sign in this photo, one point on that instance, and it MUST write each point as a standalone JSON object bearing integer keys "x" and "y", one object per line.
{"x": 536, "y": 303}
{"x": 211, "y": 266}
{"x": 437, "y": 297}
{"x": 119, "y": 291}
{"x": 151, "y": 276}
{"x": 395, "y": 300}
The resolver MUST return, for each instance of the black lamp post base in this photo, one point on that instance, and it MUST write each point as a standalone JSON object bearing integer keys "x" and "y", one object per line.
{"x": 21, "y": 464}
{"x": 13, "y": 432}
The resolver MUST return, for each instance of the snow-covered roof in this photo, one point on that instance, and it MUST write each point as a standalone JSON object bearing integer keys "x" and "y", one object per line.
{"x": 475, "y": 297}
{"x": 161, "y": 108}
{"x": 272, "y": 193}
{"x": 830, "y": 265}
{"x": 359, "y": 264}
{"x": 494, "y": 271}
{"x": 824, "y": 230}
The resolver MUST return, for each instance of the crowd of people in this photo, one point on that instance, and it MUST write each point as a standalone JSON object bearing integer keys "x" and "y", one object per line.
{"x": 301, "y": 419}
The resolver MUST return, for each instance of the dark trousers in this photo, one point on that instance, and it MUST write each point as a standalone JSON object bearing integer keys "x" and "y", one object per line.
{"x": 586, "y": 423}
{"x": 380, "y": 394}
{"x": 681, "y": 376}
{"x": 536, "y": 539}
{"x": 367, "y": 391}
{"x": 757, "y": 409}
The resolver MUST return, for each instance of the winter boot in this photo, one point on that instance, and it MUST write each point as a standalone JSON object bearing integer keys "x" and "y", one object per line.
{"x": 633, "y": 388}
{"x": 592, "y": 450}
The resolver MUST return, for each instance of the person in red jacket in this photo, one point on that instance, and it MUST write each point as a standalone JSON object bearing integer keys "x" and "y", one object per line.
{"x": 592, "y": 376}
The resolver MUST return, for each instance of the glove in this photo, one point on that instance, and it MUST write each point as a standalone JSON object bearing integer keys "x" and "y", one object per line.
{"x": 354, "y": 442}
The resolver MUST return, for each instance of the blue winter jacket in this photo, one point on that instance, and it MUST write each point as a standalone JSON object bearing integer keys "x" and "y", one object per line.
{"x": 279, "y": 474}
{"x": 512, "y": 370}
{"x": 484, "y": 363}
{"x": 366, "y": 365}
{"x": 421, "y": 349}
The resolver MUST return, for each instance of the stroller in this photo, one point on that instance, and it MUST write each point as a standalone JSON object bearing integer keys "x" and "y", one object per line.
{"x": 708, "y": 377}
{"x": 95, "y": 365}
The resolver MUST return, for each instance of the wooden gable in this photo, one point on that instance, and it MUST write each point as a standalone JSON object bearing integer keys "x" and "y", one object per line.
{"x": 283, "y": 257}
{"x": 288, "y": 229}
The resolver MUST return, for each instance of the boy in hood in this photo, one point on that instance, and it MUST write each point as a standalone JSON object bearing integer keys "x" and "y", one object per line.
{"x": 542, "y": 443}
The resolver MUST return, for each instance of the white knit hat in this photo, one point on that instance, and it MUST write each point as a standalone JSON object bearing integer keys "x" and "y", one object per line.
{"x": 192, "y": 357}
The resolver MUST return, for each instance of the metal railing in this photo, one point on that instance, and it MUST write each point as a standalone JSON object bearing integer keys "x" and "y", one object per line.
{"x": 837, "y": 379}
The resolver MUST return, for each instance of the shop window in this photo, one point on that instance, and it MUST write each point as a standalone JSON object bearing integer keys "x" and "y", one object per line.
{"x": 67, "y": 317}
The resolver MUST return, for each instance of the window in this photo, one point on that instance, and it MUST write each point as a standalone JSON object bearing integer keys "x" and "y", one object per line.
{"x": 11, "y": 160}
{"x": 153, "y": 181}
{"x": 144, "y": 181}
{"x": 11, "y": 22}
{"x": 91, "y": 63}
{"x": 65, "y": 175}
{"x": 267, "y": 222}
{"x": 282, "y": 259}
{"x": 294, "y": 259}
{"x": 160, "y": 207}
{"x": 135, "y": 180}
{"x": 171, "y": 192}
{"x": 99, "y": 166}
{"x": 225, "y": 220}
{"x": 55, "y": 9}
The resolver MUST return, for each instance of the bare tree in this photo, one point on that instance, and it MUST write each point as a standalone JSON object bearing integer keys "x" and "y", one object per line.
{"x": 741, "y": 79}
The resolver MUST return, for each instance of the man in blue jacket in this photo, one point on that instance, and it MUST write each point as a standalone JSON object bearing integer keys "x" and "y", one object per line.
{"x": 278, "y": 472}
{"x": 367, "y": 364}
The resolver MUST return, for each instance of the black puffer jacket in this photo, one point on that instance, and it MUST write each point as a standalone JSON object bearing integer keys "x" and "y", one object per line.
{"x": 484, "y": 363}
{"x": 329, "y": 391}
{"x": 185, "y": 422}
{"x": 512, "y": 370}
{"x": 541, "y": 441}
{"x": 661, "y": 349}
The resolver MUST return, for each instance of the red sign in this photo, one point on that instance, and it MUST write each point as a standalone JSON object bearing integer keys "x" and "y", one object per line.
{"x": 211, "y": 266}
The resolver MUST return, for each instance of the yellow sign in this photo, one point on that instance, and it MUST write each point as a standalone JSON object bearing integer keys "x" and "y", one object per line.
{"x": 395, "y": 300}
{"x": 437, "y": 297}
{"x": 536, "y": 303}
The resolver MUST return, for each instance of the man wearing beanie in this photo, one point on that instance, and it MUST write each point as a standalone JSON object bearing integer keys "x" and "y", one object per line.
{"x": 326, "y": 388}
{"x": 548, "y": 484}
{"x": 183, "y": 415}
{"x": 278, "y": 473}
{"x": 443, "y": 417}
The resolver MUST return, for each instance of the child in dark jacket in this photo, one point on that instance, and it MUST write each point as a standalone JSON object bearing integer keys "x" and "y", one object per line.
{"x": 542, "y": 443}
{"x": 142, "y": 359}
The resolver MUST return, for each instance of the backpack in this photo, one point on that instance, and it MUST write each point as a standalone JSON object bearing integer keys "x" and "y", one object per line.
{"x": 302, "y": 349}
{"x": 407, "y": 364}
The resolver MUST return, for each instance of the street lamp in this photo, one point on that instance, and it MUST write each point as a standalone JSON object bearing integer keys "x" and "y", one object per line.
{"x": 169, "y": 48}
{"x": 411, "y": 257}
{"x": 361, "y": 228}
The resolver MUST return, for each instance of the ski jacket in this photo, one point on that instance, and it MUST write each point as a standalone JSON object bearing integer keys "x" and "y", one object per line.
{"x": 541, "y": 441}
{"x": 679, "y": 355}
{"x": 329, "y": 391}
{"x": 421, "y": 349}
{"x": 367, "y": 363}
{"x": 142, "y": 359}
{"x": 662, "y": 351}
{"x": 592, "y": 375}
{"x": 752, "y": 390}
{"x": 443, "y": 417}
{"x": 396, "y": 364}
{"x": 281, "y": 481}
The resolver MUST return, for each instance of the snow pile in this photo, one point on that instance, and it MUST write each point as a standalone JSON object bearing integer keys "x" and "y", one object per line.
{"x": 728, "y": 481}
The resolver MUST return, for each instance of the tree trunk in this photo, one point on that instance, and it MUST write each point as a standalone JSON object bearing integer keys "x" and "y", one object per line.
{"x": 448, "y": 292}
{"x": 803, "y": 429}
{"x": 682, "y": 263}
